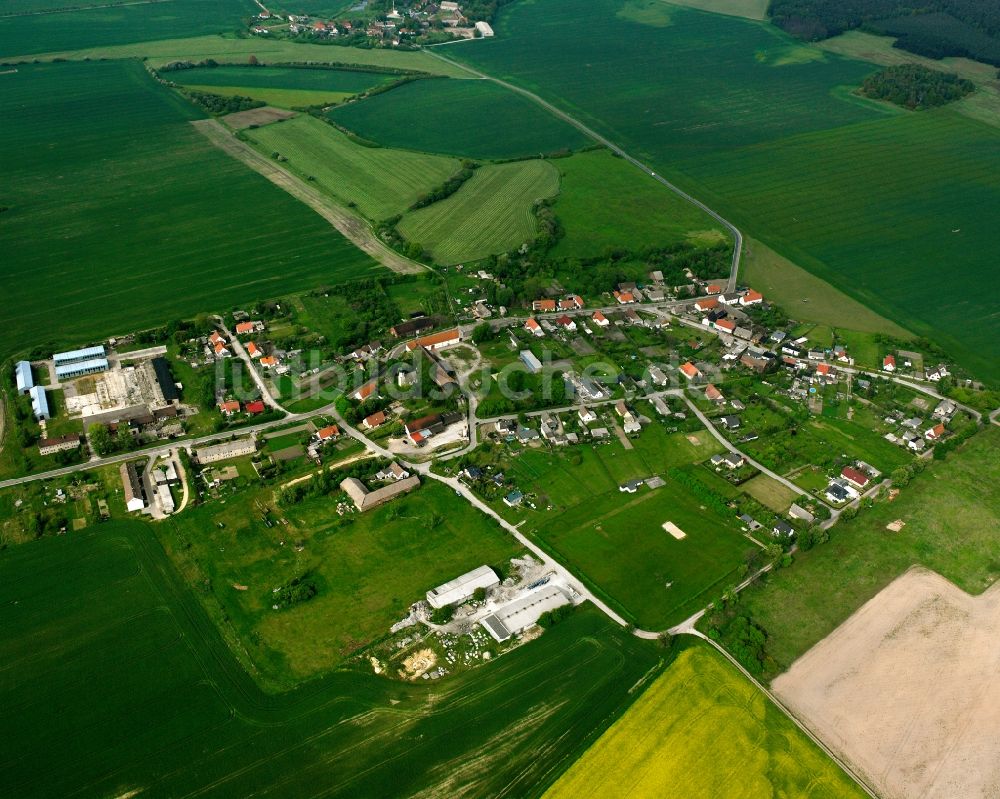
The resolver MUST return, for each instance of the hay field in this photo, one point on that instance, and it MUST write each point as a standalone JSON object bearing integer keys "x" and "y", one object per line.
{"x": 491, "y": 213}
{"x": 122, "y": 215}
{"x": 110, "y": 661}
{"x": 908, "y": 689}
{"x": 380, "y": 181}
{"x": 703, "y": 731}
{"x": 766, "y": 130}
{"x": 473, "y": 118}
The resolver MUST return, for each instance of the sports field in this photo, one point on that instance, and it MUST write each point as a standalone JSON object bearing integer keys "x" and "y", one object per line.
{"x": 491, "y": 213}
{"x": 110, "y": 662}
{"x": 121, "y": 215}
{"x": 286, "y": 87}
{"x": 381, "y": 182}
{"x": 118, "y": 24}
{"x": 767, "y": 131}
{"x": 472, "y": 118}
{"x": 703, "y": 731}
{"x": 606, "y": 203}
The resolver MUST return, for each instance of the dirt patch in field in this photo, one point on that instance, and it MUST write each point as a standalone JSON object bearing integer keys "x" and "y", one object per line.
{"x": 908, "y": 689}
{"x": 256, "y": 116}
{"x": 674, "y": 530}
{"x": 417, "y": 663}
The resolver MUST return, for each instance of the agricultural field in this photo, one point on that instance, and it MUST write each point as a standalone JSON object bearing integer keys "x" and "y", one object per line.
{"x": 751, "y": 9}
{"x": 951, "y": 514}
{"x": 31, "y": 34}
{"x": 606, "y": 203}
{"x": 232, "y": 50}
{"x": 381, "y": 182}
{"x": 355, "y": 564}
{"x": 702, "y": 729}
{"x": 868, "y": 197}
{"x": 473, "y": 118}
{"x": 493, "y": 212}
{"x": 80, "y": 180}
{"x": 169, "y": 712}
{"x": 285, "y": 87}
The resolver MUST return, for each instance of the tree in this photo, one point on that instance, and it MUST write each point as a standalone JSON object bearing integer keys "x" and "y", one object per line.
{"x": 100, "y": 439}
{"x": 483, "y": 332}
{"x": 479, "y": 595}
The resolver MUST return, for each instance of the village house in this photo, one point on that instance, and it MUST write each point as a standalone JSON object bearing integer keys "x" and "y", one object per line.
{"x": 935, "y": 375}
{"x": 724, "y": 326}
{"x": 245, "y": 328}
{"x": 934, "y": 433}
{"x": 269, "y": 361}
{"x": 392, "y": 472}
{"x": 254, "y": 351}
{"x": 533, "y": 327}
{"x": 712, "y": 394}
{"x": 374, "y": 420}
{"x": 566, "y": 323}
{"x": 690, "y": 371}
{"x": 363, "y": 392}
{"x": 751, "y": 298}
{"x": 505, "y": 426}
{"x": 327, "y": 433}
{"x": 713, "y": 288}
{"x": 600, "y": 319}
{"x": 543, "y": 306}
{"x": 858, "y": 479}
{"x": 255, "y": 408}
{"x": 629, "y": 422}
{"x": 730, "y": 298}
{"x": 657, "y": 376}
{"x": 229, "y": 408}
{"x": 586, "y": 415}
{"x": 624, "y": 297}
{"x": 945, "y": 409}
{"x": 706, "y": 304}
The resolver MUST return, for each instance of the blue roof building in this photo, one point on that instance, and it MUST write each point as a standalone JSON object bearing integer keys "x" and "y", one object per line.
{"x": 76, "y": 356}
{"x": 22, "y": 374}
{"x": 79, "y": 368}
{"x": 39, "y": 403}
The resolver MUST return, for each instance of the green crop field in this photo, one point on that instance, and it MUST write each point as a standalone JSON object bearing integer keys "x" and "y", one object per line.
{"x": 31, "y": 34}
{"x": 473, "y": 118}
{"x": 381, "y": 182}
{"x": 703, "y": 730}
{"x": 110, "y": 661}
{"x": 768, "y": 132}
{"x": 121, "y": 215}
{"x": 285, "y": 87}
{"x": 606, "y": 203}
{"x": 491, "y": 213}
{"x": 362, "y": 589}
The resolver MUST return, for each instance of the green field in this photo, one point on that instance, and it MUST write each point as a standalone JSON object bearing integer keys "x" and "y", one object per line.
{"x": 474, "y": 118}
{"x": 952, "y": 515}
{"x": 493, "y": 212}
{"x": 121, "y": 215}
{"x": 380, "y": 182}
{"x": 768, "y": 132}
{"x": 286, "y": 87}
{"x": 703, "y": 731}
{"x": 606, "y": 203}
{"x": 110, "y": 661}
{"x": 120, "y": 24}
{"x": 362, "y": 589}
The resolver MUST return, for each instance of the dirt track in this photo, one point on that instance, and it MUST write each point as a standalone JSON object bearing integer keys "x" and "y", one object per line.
{"x": 908, "y": 690}
{"x": 352, "y": 227}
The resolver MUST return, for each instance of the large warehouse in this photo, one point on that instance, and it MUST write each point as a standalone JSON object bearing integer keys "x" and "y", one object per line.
{"x": 522, "y": 613}
{"x": 77, "y": 356}
{"x": 22, "y": 376}
{"x": 39, "y": 403}
{"x": 462, "y": 588}
{"x": 80, "y": 368}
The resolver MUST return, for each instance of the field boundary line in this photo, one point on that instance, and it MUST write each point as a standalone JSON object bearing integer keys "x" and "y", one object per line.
{"x": 349, "y": 225}
{"x": 614, "y": 148}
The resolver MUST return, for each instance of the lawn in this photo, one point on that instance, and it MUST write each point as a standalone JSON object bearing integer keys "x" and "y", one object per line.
{"x": 770, "y": 493}
{"x": 704, "y": 731}
{"x": 473, "y": 118}
{"x": 357, "y": 565}
{"x": 491, "y": 213}
{"x": 381, "y": 182}
{"x": 952, "y": 515}
{"x": 121, "y": 215}
{"x": 286, "y": 87}
{"x": 167, "y": 710}
{"x": 767, "y": 131}
{"x": 607, "y": 203}
{"x": 31, "y": 34}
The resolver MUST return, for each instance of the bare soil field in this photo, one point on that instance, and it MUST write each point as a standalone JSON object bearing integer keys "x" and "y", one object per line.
{"x": 908, "y": 689}
{"x": 264, "y": 115}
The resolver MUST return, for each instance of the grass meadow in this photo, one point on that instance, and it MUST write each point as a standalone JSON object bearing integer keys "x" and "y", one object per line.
{"x": 893, "y": 208}
{"x": 606, "y": 203}
{"x": 381, "y": 182}
{"x": 121, "y": 215}
{"x": 472, "y": 118}
{"x": 952, "y": 515}
{"x": 702, "y": 729}
{"x": 286, "y": 87}
{"x": 491, "y": 213}
{"x": 110, "y": 660}
{"x": 30, "y": 34}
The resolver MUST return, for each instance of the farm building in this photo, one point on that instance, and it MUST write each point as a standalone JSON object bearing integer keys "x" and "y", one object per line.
{"x": 462, "y": 588}
{"x": 437, "y": 341}
{"x": 524, "y": 612}
{"x": 132, "y": 486}
{"x": 39, "y": 404}
{"x": 530, "y": 361}
{"x": 412, "y": 327}
{"x": 165, "y": 498}
{"x": 366, "y": 500}
{"x": 229, "y": 449}
{"x": 91, "y": 366}
{"x": 22, "y": 376}
{"x": 49, "y": 446}
{"x": 165, "y": 380}
{"x": 484, "y": 29}
{"x": 78, "y": 356}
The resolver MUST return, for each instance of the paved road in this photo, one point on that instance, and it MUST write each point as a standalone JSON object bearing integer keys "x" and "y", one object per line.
{"x": 244, "y": 356}
{"x": 587, "y": 131}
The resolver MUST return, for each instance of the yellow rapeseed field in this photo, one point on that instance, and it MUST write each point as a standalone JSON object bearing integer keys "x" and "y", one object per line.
{"x": 703, "y": 730}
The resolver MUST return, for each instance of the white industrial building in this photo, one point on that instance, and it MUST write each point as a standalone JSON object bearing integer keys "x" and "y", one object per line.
{"x": 229, "y": 449}
{"x": 39, "y": 403}
{"x": 68, "y": 371}
{"x": 78, "y": 356}
{"x": 462, "y": 588}
{"x": 132, "y": 487}
{"x": 524, "y": 612}
{"x": 22, "y": 376}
